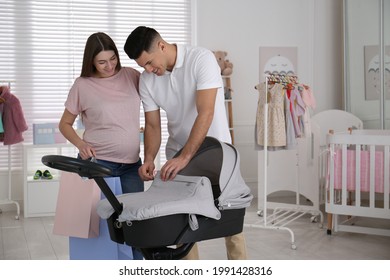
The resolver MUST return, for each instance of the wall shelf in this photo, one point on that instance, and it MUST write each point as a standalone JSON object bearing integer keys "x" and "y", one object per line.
{"x": 229, "y": 105}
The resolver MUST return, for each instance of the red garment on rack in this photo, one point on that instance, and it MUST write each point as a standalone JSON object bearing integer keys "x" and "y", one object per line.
{"x": 13, "y": 118}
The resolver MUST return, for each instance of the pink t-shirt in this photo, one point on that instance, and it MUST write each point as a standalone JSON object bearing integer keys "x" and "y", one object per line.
{"x": 110, "y": 110}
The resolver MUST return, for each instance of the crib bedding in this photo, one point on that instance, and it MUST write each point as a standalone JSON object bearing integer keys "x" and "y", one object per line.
{"x": 364, "y": 170}
{"x": 358, "y": 147}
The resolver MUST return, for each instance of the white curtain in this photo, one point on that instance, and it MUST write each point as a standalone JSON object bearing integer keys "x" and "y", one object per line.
{"x": 42, "y": 44}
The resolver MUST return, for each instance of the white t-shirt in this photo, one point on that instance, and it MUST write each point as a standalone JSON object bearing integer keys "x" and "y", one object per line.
{"x": 110, "y": 108}
{"x": 175, "y": 92}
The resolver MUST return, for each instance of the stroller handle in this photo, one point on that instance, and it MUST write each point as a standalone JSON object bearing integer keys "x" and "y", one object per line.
{"x": 84, "y": 168}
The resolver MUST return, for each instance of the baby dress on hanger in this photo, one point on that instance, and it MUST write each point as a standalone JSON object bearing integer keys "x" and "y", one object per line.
{"x": 276, "y": 121}
{"x": 309, "y": 103}
{"x": 14, "y": 123}
{"x": 297, "y": 107}
{"x": 291, "y": 140}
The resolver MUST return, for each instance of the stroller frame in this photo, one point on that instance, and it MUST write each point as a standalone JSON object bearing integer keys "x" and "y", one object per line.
{"x": 154, "y": 237}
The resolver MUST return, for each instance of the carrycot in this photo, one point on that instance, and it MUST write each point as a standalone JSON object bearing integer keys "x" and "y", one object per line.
{"x": 206, "y": 200}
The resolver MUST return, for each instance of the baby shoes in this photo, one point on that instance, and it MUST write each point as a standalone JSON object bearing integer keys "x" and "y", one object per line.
{"x": 45, "y": 175}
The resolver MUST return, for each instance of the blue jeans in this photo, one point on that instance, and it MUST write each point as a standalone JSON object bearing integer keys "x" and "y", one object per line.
{"x": 128, "y": 173}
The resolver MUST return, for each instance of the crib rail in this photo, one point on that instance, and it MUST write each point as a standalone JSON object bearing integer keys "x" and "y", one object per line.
{"x": 359, "y": 178}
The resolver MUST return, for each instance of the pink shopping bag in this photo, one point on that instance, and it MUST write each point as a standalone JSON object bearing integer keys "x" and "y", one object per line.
{"x": 76, "y": 207}
{"x": 101, "y": 247}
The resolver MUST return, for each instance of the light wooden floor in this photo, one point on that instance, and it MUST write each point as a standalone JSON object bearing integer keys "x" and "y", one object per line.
{"x": 32, "y": 239}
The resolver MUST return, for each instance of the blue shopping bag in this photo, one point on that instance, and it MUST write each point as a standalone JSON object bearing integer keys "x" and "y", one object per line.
{"x": 101, "y": 247}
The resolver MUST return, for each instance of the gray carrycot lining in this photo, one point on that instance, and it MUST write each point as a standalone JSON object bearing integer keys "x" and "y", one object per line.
{"x": 184, "y": 194}
{"x": 216, "y": 164}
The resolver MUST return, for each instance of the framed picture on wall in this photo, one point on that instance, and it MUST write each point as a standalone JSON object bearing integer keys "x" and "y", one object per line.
{"x": 278, "y": 60}
{"x": 371, "y": 72}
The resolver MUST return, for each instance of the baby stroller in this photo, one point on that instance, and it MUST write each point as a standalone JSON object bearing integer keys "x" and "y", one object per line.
{"x": 206, "y": 200}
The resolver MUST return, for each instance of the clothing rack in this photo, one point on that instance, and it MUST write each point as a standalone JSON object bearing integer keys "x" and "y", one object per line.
{"x": 280, "y": 217}
{"x": 9, "y": 199}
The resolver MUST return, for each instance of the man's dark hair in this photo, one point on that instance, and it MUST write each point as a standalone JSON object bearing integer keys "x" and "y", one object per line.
{"x": 141, "y": 39}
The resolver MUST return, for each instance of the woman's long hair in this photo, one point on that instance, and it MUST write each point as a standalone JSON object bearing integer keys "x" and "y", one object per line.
{"x": 96, "y": 43}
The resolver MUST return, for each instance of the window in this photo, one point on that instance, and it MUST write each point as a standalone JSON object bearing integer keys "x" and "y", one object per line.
{"x": 43, "y": 42}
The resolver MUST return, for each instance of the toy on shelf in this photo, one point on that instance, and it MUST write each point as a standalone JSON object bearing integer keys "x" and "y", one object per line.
{"x": 225, "y": 65}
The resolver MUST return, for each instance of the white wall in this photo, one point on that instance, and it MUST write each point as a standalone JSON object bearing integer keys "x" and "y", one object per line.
{"x": 241, "y": 27}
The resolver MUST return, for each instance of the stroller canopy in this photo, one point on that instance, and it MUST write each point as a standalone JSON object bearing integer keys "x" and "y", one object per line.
{"x": 220, "y": 162}
{"x": 211, "y": 182}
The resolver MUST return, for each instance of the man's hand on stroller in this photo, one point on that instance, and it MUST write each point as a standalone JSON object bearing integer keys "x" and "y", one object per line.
{"x": 172, "y": 167}
{"x": 146, "y": 171}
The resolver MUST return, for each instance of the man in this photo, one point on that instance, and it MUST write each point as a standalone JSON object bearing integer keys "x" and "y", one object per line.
{"x": 184, "y": 81}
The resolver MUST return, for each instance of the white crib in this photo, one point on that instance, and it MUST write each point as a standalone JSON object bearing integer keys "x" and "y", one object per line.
{"x": 358, "y": 180}
{"x": 338, "y": 121}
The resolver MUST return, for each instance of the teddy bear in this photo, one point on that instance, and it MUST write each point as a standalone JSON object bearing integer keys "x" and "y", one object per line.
{"x": 225, "y": 65}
